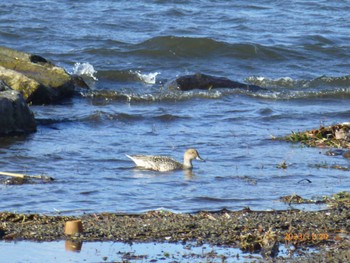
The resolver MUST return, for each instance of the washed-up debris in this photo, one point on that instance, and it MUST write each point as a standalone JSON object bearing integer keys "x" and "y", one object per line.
{"x": 19, "y": 179}
{"x": 334, "y": 136}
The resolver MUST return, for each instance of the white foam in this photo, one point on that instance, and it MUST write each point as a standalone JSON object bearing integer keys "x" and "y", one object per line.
{"x": 85, "y": 69}
{"x": 259, "y": 78}
{"x": 264, "y": 79}
{"x": 149, "y": 78}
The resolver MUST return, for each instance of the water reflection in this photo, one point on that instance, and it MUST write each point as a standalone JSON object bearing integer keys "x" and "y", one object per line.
{"x": 143, "y": 173}
{"x": 189, "y": 175}
{"x": 74, "y": 251}
{"x": 74, "y": 246}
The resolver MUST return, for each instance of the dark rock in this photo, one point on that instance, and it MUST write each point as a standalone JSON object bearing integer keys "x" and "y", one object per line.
{"x": 79, "y": 82}
{"x": 38, "y": 59}
{"x": 334, "y": 152}
{"x": 39, "y": 81}
{"x": 14, "y": 181}
{"x": 207, "y": 82}
{"x": 346, "y": 154}
{"x": 15, "y": 115}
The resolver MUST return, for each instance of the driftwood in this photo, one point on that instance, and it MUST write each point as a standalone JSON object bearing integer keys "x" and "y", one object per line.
{"x": 24, "y": 176}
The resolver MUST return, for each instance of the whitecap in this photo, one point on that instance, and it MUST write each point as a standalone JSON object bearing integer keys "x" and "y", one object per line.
{"x": 277, "y": 82}
{"x": 85, "y": 69}
{"x": 149, "y": 78}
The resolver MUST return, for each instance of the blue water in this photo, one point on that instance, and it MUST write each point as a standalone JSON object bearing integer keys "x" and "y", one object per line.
{"x": 129, "y": 52}
{"x": 120, "y": 252}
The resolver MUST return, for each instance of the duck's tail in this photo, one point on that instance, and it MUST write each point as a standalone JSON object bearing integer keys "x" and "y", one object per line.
{"x": 129, "y": 156}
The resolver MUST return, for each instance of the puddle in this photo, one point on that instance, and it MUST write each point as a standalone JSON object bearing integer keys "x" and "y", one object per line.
{"x": 69, "y": 251}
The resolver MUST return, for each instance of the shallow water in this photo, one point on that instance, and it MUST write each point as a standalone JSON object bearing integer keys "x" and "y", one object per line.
{"x": 129, "y": 52}
{"x": 68, "y": 251}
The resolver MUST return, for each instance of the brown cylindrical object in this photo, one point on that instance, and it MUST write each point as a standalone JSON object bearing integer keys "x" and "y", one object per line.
{"x": 73, "y": 227}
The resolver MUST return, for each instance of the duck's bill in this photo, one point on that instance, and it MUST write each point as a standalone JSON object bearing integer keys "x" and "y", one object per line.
{"x": 200, "y": 159}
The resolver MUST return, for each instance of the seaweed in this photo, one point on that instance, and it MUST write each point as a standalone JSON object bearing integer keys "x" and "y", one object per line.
{"x": 334, "y": 136}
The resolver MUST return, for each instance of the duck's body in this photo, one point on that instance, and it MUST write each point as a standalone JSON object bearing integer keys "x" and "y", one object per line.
{"x": 165, "y": 163}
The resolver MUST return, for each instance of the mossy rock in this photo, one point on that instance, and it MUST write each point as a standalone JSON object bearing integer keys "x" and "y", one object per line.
{"x": 40, "y": 81}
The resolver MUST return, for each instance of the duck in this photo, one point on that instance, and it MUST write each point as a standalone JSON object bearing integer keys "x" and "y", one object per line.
{"x": 165, "y": 163}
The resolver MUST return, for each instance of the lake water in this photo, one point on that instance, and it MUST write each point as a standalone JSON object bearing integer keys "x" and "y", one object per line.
{"x": 129, "y": 51}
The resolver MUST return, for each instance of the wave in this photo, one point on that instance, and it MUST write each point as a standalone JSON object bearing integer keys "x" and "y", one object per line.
{"x": 149, "y": 78}
{"x": 289, "y": 88}
{"x": 88, "y": 72}
{"x": 281, "y": 88}
{"x": 288, "y": 82}
{"x": 85, "y": 70}
{"x": 96, "y": 117}
{"x": 205, "y": 47}
{"x": 146, "y": 86}
{"x": 133, "y": 96}
{"x": 129, "y": 76}
{"x": 165, "y": 47}
{"x": 170, "y": 46}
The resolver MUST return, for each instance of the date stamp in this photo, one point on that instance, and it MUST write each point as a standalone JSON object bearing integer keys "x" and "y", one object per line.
{"x": 305, "y": 237}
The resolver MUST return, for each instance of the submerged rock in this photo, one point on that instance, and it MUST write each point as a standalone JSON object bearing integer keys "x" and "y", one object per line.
{"x": 15, "y": 115}
{"x": 346, "y": 154}
{"x": 207, "y": 82}
{"x": 39, "y": 81}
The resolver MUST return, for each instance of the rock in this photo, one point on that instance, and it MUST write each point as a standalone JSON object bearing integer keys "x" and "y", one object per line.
{"x": 40, "y": 81}
{"x": 334, "y": 152}
{"x": 28, "y": 87}
{"x": 346, "y": 154}
{"x": 15, "y": 115}
{"x": 207, "y": 82}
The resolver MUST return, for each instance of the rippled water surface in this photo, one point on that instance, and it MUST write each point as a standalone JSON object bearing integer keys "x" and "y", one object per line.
{"x": 130, "y": 52}
{"x": 122, "y": 252}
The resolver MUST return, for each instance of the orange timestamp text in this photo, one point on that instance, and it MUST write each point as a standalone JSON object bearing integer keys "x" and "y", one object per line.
{"x": 306, "y": 236}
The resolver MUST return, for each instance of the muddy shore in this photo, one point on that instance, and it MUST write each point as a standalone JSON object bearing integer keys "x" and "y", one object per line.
{"x": 252, "y": 231}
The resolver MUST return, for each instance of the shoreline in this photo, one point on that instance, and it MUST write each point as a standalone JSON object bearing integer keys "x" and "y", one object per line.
{"x": 251, "y": 231}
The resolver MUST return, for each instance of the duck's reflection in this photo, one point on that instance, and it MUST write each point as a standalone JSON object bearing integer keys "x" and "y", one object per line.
{"x": 143, "y": 173}
{"x": 189, "y": 175}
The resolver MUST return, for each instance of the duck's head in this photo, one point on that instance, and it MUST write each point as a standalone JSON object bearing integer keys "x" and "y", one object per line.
{"x": 192, "y": 154}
